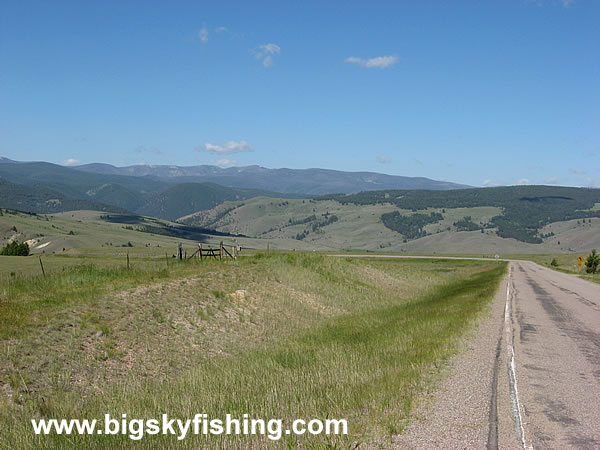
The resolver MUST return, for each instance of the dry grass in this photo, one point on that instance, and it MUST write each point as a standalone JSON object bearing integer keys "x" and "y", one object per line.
{"x": 291, "y": 335}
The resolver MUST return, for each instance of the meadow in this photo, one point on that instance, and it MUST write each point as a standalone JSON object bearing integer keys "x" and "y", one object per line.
{"x": 284, "y": 335}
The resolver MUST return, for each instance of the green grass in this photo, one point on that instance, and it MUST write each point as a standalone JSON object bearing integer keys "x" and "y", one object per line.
{"x": 313, "y": 337}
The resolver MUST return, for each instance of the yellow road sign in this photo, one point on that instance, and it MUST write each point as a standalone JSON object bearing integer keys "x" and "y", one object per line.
{"x": 580, "y": 259}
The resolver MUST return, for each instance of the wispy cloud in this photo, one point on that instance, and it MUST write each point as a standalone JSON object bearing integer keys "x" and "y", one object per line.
{"x": 384, "y": 159}
{"x": 228, "y": 147}
{"x": 203, "y": 35}
{"x": 523, "y": 181}
{"x": 494, "y": 183}
{"x": 551, "y": 180}
{"x": 564, "y": 3}
{"x": 70, "y": 162}
{"x": 221, "y": 30}
{"x": 266, "y": 53}
{"x": 379, "y": 62}
{"x": 225, "y": 163}
{"x": 577, "y": 171}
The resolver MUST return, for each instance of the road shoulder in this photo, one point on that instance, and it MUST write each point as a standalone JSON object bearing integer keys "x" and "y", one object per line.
{"x": 457, "y": 413}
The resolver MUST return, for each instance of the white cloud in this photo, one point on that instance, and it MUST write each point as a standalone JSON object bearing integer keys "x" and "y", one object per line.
{"x": 577, "y": 171}
{"x": 268, "y": 61}
{"x": 564, "y": 3}
{"x": 384, "y": 159}
{"x": 203, "y": 35}
{"x": 229, "y": 147}
{"x": 270, "y": 49}
{"x": 70, "y": 162}
{"x": 221, "y": 29}
{"x": 379, "y": 62}
{"x": 266, "y": 52}
{"x": 495, "y": 183}
{"x": 225, "y": 162}
{"x": 523, "y": 181}
{"x": 551, "y": 180}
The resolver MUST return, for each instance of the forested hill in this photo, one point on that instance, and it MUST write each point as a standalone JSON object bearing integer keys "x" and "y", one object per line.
{"x": 42, "y": 200}
{"x": 526, "y": 208}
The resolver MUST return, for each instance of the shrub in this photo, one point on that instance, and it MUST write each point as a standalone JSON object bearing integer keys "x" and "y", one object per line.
{"x": 554, "y": 262}
{"x": 592, "y": 263}
{"x": 15, "y": 249}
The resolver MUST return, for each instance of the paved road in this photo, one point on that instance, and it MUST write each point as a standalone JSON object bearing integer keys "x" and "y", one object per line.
{"x": 379, "y": 255}
{"x": 555, "y": 329}
{"x": 528, "y": 378}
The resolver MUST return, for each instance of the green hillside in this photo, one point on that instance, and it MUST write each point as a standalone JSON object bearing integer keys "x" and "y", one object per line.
{"x": 39, "y": 199}
{"x": 526, "y": 209}
{"x": 119, "y": 195}
{"x": 186, "y": 198}
{"x": 77, "y": 184}
{"x": 380, "y": 225}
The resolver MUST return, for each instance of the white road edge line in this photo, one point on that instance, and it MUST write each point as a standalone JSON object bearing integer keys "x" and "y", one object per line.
{"x": 512, "y": 375}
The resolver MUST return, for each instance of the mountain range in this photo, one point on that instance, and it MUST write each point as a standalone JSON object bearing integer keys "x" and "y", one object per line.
{"x": 394, "y": 219}
{"x": 286, "y": 181}
{"x": 170, "y": 192}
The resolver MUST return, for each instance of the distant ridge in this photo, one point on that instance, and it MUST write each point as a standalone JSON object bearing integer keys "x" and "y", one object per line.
{"x": 34, "y": 187}
{"x": 170, "y": 192}
{"x": 288, "y": 181}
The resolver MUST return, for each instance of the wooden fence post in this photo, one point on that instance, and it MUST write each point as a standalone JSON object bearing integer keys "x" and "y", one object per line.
{"x": 127, "y": 254}
{"x": 42, "y": 265}
{"x": 167, "y": 259}
{"x": 221, "y": 250}
{"x": 200, "y": 250}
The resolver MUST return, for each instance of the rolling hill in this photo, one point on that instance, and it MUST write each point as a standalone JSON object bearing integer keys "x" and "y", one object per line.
{"x": 515, "y": 218}
{"x": 186, "y": 198}
{"x": 518, "y": 219}
{"x": 526, "y": 209}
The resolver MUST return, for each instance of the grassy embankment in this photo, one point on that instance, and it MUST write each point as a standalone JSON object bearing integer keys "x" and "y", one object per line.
{"x": 287, "y": 336}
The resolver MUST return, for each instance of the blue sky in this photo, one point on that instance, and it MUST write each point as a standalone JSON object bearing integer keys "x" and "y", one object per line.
{"x": 482, "y": 93}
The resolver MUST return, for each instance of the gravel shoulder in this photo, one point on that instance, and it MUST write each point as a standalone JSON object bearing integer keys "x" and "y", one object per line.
{"x": 460, "y": 412}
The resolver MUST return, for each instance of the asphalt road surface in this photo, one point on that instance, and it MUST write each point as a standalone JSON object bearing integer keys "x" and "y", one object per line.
{"x": 556, "y": 328}
{"x": 528, "y": 377}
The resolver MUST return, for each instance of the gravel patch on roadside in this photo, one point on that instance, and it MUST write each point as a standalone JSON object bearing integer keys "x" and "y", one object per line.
{"x": 457, "y": 413}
